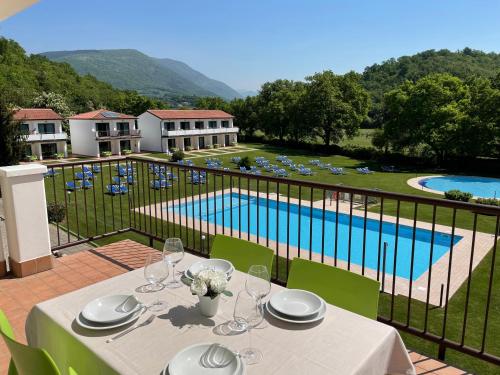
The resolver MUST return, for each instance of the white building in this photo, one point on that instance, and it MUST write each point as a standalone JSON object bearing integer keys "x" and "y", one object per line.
{"x": 197, "y": 129}
{"x": 95, "y": 132}
{"x": 45, "y": 135}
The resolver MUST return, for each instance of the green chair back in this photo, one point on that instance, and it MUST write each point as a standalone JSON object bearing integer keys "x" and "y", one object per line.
{"x": 25, "y": 359}
{"x": 336, "y": 286}
{"x": 242, "y": 254}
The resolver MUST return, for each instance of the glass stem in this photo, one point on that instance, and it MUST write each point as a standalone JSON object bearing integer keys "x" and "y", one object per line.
{"x": 174, "y": 279}
{"x": 249, "y": 329}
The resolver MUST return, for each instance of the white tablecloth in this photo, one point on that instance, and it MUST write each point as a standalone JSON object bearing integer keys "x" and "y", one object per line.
{"x": 343, "y": 343}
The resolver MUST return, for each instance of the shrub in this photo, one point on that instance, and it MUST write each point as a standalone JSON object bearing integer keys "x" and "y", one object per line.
{"x": 177, "y": 155}
{"x": 488, "y": 201}
{"x": 56, "y": 212}
{"x": 233, "y": 144}
{"x": 188, "y": 148}
{"x": 216, "y": 145}
{"x": 173, "y": 149}
{"x": 245, "y": 162}
{"x": 59, "y": 155}
{"x": 209, "y": 147}
{"x": 126, "y": 151}
{"x": 457, "y": 195}
{"x": 106, "y": 154}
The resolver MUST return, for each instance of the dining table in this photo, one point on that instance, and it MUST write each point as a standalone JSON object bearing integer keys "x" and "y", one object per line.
{"x": 341, "y": 343}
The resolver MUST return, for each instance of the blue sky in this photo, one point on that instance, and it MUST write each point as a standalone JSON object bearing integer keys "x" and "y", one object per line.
{"x": 247, "y": 42}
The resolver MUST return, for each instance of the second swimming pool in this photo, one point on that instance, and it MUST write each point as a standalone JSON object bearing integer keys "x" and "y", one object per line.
{"x": 275, "y": 221}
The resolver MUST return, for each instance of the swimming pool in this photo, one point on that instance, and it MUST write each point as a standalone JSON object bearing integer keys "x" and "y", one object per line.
{"x": 483, "y": 187}
{"x": 277, "y": 226}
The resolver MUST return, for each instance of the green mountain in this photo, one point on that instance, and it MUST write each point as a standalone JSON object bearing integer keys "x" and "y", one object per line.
{"x": 133, "y": 70}
{"x": 380, "y": 78}
{"x": 24, "y": 79}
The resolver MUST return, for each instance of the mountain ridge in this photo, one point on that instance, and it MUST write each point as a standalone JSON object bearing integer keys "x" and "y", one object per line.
{"x": 131, "y": 69}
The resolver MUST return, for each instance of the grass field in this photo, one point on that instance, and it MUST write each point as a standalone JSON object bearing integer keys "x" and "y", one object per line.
{"x": 92, "y": 212}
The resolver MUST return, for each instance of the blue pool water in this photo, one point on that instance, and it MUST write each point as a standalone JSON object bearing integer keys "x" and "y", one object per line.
{"x": 484, "y": 187}
{"x": 278, "y": 226}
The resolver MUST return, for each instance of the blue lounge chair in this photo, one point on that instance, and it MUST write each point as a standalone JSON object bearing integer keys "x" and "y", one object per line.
{"x": 86, "y": 184}
{"x": 159, "y": 184}
{"x": 123, "y": 189}
{"x": 86, "y": 169}
{"x": 113, "y": 189}
{"x": 130, "y": 179}
{"x": 364, "y": 170}
{"x": 51, "y": 173}
{"x": 235, "y": 159}
{"x": 337, "y": 171}
{"x": 117, "y": 180}
{"x": 198, "y": 179}
{"x": 96, "y": 168}
{"x": 243, "y": 170}
{"x": 72, "y": 186}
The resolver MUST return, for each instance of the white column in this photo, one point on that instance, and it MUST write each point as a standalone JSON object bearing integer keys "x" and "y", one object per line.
{"x": 3, "y": 249}
{"x": 38, "y": 150}
{"x": 26, "y": 220}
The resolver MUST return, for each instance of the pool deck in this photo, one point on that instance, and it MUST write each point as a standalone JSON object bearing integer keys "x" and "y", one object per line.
{"x": 419, "y": 289}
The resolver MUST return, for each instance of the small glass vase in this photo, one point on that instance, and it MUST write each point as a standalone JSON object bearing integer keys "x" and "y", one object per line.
{"x": 209, "y": 306}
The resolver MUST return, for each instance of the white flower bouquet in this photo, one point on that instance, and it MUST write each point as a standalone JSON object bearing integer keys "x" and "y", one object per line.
{"x": 209, "y": 283}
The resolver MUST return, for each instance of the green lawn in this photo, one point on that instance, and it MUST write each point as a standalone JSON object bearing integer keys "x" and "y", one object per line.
{"x": 104, "y": 213}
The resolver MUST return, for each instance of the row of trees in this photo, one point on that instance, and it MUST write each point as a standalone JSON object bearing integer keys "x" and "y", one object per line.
{"x": 443, "y": 116}
{"x": 329, "y": 106}
{"x": 439, "y": 115}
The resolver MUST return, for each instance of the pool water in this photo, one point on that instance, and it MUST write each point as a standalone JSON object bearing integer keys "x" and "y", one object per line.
{"x": 483, "y": 187}
{"x": 280, "y": 225}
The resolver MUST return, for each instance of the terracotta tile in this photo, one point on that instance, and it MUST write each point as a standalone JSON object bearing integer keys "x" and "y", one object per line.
{"x": 449, "y": 371}
{"x": 430, "y": 364}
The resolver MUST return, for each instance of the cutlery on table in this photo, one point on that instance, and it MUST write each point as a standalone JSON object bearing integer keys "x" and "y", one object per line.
{"x": 134, "y": 327}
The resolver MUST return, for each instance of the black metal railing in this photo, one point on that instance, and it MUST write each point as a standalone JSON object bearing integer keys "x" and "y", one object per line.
{"x": 435, "y": 258}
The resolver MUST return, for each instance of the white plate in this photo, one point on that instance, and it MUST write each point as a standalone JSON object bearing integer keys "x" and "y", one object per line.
{"x": 187, "y": 362}
{"x": 295, "y": 302}
{"x": 216, "y": 264}
{"x": 106, "y": 310}
{"x": 82, "y": 322}
{"x": 320, "y": 315}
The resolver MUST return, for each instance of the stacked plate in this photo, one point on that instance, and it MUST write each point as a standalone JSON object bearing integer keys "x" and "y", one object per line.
{"x": 110, "y": 312}
{"x": 296, "y": 306}
{"x": 191, "y": 361}
{"x": 210, "y": 264}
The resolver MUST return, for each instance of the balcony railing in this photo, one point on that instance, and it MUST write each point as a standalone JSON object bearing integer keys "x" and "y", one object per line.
{"x": 200, "y": 132}
{"x": 118, "y": 133}
{"x": 46, "y": 137}
{"x": 435, "y": 259}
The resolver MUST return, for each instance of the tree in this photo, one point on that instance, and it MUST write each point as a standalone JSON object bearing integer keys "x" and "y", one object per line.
{"x": 56, "y": 102}
{"x": 245, "y": 115}
{"x": 12, "y": 141}
{"x": 212, "y": 103}
{"x": 336, "y": 105}
{"x": 429, "y": 113}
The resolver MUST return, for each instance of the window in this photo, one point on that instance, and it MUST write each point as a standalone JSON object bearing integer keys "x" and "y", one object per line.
{"x": 171, "y": 143}
{"x": 185, "y": 125}
{"x": 123, "y": 128}
{"x": 212, "y": 124}
{"x": 225, "y": 124}
{"x": 102, "y": 129}
{"x": 170, "y": 125}
{"x": 48, "y": 150}
{"x": 187, "y": 142}
{"x": 215, "y": 140}
{"x": 199, "y": 125}
{"x": 104, "y": 146}
{"x": 47, "y": 128}
{"x": 25, "y": 128}
{"x": 125, "y": 145}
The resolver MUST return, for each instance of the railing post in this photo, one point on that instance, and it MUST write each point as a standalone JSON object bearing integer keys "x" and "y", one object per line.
{"x": 26, "y": 222}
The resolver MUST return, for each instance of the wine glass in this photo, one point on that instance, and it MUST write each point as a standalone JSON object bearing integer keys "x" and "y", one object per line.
{"x": 247, "y": 315}
{"x": 155, "y": 272}
{"x": 258, "y": 283}
{"x": 173, "y": 252}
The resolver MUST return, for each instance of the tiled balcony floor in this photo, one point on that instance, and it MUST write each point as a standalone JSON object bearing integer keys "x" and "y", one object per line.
{"x": 17, "y": 296}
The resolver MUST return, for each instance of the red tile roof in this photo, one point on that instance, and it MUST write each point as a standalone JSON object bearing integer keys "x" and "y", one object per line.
{"x": 100, "y": 114}
{"x": 180, "y": 114}
{"x": 36, "y": 114}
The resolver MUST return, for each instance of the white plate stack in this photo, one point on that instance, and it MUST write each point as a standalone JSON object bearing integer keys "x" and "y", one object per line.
{"x": 296, "y": 306}
{"x": 110, "y": 312}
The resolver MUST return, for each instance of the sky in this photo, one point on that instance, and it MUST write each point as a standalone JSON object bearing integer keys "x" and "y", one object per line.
{"x": 245, "y": 43}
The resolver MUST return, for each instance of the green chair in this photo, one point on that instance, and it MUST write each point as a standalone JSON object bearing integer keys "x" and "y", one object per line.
{"x": 242, "y": 254}
{"x": 336, "y": 286}
{"x": 25, "y": 359}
